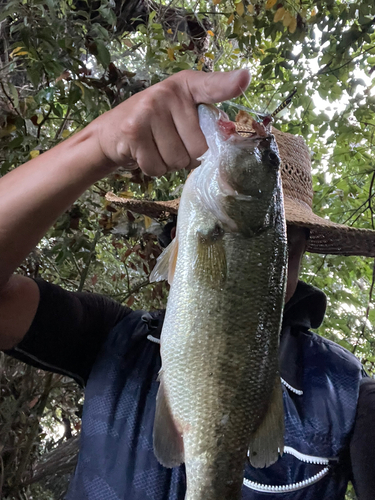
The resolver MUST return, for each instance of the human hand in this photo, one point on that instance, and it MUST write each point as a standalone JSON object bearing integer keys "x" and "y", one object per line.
{"x": 158, "y": 129}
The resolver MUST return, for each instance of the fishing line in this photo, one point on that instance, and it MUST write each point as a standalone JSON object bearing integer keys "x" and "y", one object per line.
{"x": 262, "y": 116}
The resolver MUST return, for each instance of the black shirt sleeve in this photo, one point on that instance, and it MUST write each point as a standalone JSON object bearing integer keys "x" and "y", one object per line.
{"x": 362, "y": 446}
{"x": 68, "y": 331}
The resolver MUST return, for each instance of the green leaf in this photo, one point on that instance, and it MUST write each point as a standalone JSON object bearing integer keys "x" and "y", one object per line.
{"x": 75, "y": 95}
{"x": 58, "y": 110}
{"x": 34, "y": 75}
{"x": 15, "y": 143}
{"x": 107, "y": 13}
{"x": 267, "y": 71}
{"x": 183, "y": 65}
{"x": 103, "y": 56}
{"x": 266, "y": 60}
{"x": 14, "y": 94}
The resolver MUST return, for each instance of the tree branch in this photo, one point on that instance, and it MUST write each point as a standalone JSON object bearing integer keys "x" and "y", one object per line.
{"x": 62, "y": 126}
{"x": 45, "y": 118}
{"x": 138, "y": 286}
{"x": 10, "y": 100}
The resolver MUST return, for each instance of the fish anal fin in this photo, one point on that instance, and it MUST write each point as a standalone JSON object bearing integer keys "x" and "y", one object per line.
{"x": 268, "y": 440}
{"x": 168, "y": 442}
{"x": 211, "y": 261}
{"x": 166, "y": 263}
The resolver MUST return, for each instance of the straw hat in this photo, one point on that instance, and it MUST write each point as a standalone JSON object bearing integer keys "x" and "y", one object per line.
{"x": 326, "y": 237}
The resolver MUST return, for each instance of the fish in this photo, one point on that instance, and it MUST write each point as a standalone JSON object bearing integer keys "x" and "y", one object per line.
{"x": 219, "y": 401}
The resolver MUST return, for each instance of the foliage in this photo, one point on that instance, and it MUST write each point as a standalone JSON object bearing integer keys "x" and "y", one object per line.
{"x": 65, "y": 62}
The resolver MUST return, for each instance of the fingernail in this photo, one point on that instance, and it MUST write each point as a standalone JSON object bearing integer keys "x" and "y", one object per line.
{"x": 246, "y": 77}
{"x": 236, "y": 72}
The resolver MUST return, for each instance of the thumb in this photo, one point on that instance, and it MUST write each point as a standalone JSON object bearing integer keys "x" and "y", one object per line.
{"x": 217, "y": 86}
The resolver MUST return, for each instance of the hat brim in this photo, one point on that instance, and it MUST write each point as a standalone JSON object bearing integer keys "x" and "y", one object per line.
{"x": 326, "y": 237}
{"x": 153, "y": 209}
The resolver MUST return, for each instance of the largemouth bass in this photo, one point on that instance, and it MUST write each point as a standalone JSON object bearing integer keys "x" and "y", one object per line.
{"x": 220, "y": 394}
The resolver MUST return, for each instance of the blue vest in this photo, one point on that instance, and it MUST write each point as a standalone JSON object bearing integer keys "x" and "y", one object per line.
{"x": 116, "y": 461}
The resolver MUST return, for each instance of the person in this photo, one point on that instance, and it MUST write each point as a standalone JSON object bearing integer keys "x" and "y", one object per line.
{"x": 329, "y": 401}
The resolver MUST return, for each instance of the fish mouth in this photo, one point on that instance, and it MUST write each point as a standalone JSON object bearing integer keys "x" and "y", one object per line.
{"x": 232, "y": 136}
{"x": 228, "y": 130}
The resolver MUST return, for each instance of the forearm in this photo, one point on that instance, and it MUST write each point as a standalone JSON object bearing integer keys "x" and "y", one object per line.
{"x": 34, "y": 195}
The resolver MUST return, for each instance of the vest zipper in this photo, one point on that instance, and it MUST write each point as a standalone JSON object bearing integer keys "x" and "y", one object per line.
{"x": 268, "y": 488}
{"x": 288, "y": 386}
{"x": 309, "y": 459}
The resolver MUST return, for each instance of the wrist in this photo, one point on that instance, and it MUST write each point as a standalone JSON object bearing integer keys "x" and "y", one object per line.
{"x": 86, "y": 145}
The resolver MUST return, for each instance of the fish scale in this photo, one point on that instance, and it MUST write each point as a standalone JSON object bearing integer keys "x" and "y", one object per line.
{"x": 220, "y": 392}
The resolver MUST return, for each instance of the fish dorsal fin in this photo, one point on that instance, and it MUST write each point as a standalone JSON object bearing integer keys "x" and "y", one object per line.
{"x": 168, "y": 442}
{"x": 166, "y": 263}
{"x": 268, "y": 440}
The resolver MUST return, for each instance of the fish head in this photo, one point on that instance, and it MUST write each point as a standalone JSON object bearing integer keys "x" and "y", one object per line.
{"x": 250, "y": 166}
{"x": 247, "y": 170}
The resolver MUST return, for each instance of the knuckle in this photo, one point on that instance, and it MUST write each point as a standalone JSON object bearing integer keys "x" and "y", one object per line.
{"x": 149, "y": 99}
{"x": 153, "y": 170}
{"x": 154, "y": 102}
{"x": 182, "y": 161}
{"x": 133, "y": 127}
{"x": 178, "y": 83}
{"x": 166, "y": 91}
{"x": 182, "y": 75}
{"x": 145, "y": 102}
{"x": 122, "y": 150}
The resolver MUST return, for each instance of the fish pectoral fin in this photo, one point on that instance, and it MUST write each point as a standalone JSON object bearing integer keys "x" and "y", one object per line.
{"x": 166, "y": 263}
{"x": 268, "y": 440}
{"x": 168, "y": 442}
{"x": 211, "y": 260}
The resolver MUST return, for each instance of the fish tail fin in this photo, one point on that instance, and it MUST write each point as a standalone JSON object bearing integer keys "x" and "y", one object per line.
{"x": 268, "y": 440}
{"x": 168, "y": 442}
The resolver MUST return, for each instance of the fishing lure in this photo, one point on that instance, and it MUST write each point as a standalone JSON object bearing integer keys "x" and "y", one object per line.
{"x": 284, "y": 104}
